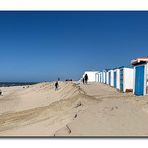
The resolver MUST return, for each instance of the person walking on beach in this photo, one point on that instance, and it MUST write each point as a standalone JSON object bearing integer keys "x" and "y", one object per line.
{"x": 83, "y": 80}
{"x": 0, "y": 92}
{"x": 56, "y": 85}
{"x": 86, "y": 78}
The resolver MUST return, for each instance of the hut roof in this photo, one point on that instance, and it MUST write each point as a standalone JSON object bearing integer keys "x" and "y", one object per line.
{"x": 139, "y": 60}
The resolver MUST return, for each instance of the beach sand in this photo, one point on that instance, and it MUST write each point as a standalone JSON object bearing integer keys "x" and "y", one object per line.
{"x": 74, "y": 110}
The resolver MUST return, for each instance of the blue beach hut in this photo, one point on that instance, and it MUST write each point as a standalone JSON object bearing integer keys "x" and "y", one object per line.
{"x": 140, "y": 76}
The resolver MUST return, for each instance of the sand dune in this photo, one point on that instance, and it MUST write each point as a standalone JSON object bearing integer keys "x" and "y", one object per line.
{"x": 40, "y": 105}
{"x": 74, "y": 110}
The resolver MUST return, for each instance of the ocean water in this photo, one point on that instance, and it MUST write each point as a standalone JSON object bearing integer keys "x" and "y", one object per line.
{"x": 7, "y": 84}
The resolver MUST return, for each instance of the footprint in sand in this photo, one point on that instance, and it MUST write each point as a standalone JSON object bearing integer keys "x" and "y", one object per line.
{"x": 116, "y": 107}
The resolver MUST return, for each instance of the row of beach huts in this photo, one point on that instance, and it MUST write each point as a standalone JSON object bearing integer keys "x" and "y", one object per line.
{"x": 126, "y": 79}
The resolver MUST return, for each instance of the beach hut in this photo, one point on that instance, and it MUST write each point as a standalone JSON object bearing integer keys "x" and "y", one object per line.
{"x": 99, "y": 77}
{"x": 92, "y": 76}
{"x": 103, "y": 76}
{"x": 106, "y": 76}
{"x": 111, "y": 77}
{"x": 140, "y": 76}
{"x": 117, "y": 78}
{"x": 126, "y": 79}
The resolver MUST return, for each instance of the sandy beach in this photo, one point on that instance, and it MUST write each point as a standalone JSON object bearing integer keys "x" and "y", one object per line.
{"x": 74, "y": 110}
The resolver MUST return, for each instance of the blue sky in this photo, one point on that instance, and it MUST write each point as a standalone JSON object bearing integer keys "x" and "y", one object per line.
{"x": 42, "y": 46}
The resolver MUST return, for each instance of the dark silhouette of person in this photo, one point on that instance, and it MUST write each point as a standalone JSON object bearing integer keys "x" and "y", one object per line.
{"x": 0, "y": 92}
{"x": 86, "y": 78}
{"x": 58, "y": 79}
{"x": 83, "y": 81}
{"x": 56, "y": 85}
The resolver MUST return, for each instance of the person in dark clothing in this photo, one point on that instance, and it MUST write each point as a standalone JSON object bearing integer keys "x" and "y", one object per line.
{"x": 83, "y": 80}
{"x": 86, "y": 78}
{"x": 56, "y": 85}
{"x": 0, "y": 93}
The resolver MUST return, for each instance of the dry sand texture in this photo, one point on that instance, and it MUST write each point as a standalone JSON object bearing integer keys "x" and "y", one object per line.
{"x": 74, "y": 110}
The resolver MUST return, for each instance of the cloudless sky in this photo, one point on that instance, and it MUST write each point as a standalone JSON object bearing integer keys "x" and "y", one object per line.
{"x": 42, "y": 46}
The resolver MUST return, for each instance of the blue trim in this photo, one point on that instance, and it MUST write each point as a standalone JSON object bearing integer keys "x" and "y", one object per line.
{"x": 115, "y": 79}
{"x": 105, "y": 77}
{"x": 121, "y": 79}
{"x": 125, "y": 67}
{"x": 109, "y": 78}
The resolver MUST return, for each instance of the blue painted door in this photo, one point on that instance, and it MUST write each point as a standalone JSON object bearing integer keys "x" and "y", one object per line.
{"x": 115, "y": 79}
{"x": 139, "y": 80}
{"x": 121, "y": 79}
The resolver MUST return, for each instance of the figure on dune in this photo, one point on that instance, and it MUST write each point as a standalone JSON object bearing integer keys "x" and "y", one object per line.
{"x": 86, "y": 78}
{"x": 0, "y": 92}
{"x": 83, "y": 81}
{"x": 56, "y": 85}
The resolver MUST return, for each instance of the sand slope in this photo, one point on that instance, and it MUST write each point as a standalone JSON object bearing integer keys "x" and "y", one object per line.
{"x": 117, "y": 114}
{"x": 74, "y": 110}
{"x": 40, "y": 110}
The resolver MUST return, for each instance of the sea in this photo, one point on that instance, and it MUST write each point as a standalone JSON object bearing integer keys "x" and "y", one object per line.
{"x": 8, "y": 84}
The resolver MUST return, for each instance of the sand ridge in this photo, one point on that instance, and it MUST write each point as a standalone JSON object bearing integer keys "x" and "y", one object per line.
{"x": 67, "y": 101}
{"x": 74, "y": 110}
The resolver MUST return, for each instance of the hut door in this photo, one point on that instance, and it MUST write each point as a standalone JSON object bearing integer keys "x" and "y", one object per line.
{"x": 96, "y": 77}
{"x": 109, "y": 78}
{"x": 139, "y": 80}
{"x": 115, "y": 79}
{"x": 121, "y": 79}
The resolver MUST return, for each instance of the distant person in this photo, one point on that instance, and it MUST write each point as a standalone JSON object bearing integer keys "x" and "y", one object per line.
{"x": 83, "y": 81}
{"x": 0, "y": 92}
{"x": 58, "y": 79}
{"x": 86, "y": 78}
{"x": 56, "y": 85}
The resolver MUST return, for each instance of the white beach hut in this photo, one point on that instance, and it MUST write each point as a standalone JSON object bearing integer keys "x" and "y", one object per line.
{"x": 140, "y": 76}
{"x": 111, "y": 77}
{"x": 117, "y": 78}
{"x": 126, "y": 79}
{"x": 92, "y": 76}
{"x": 106, "y": 76}
{"x": 99, "y": 77}
{"x": 103, "y": 76}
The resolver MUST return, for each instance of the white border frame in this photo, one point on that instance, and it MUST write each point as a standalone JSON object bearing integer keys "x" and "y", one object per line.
{"x": 74, "y": 5}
